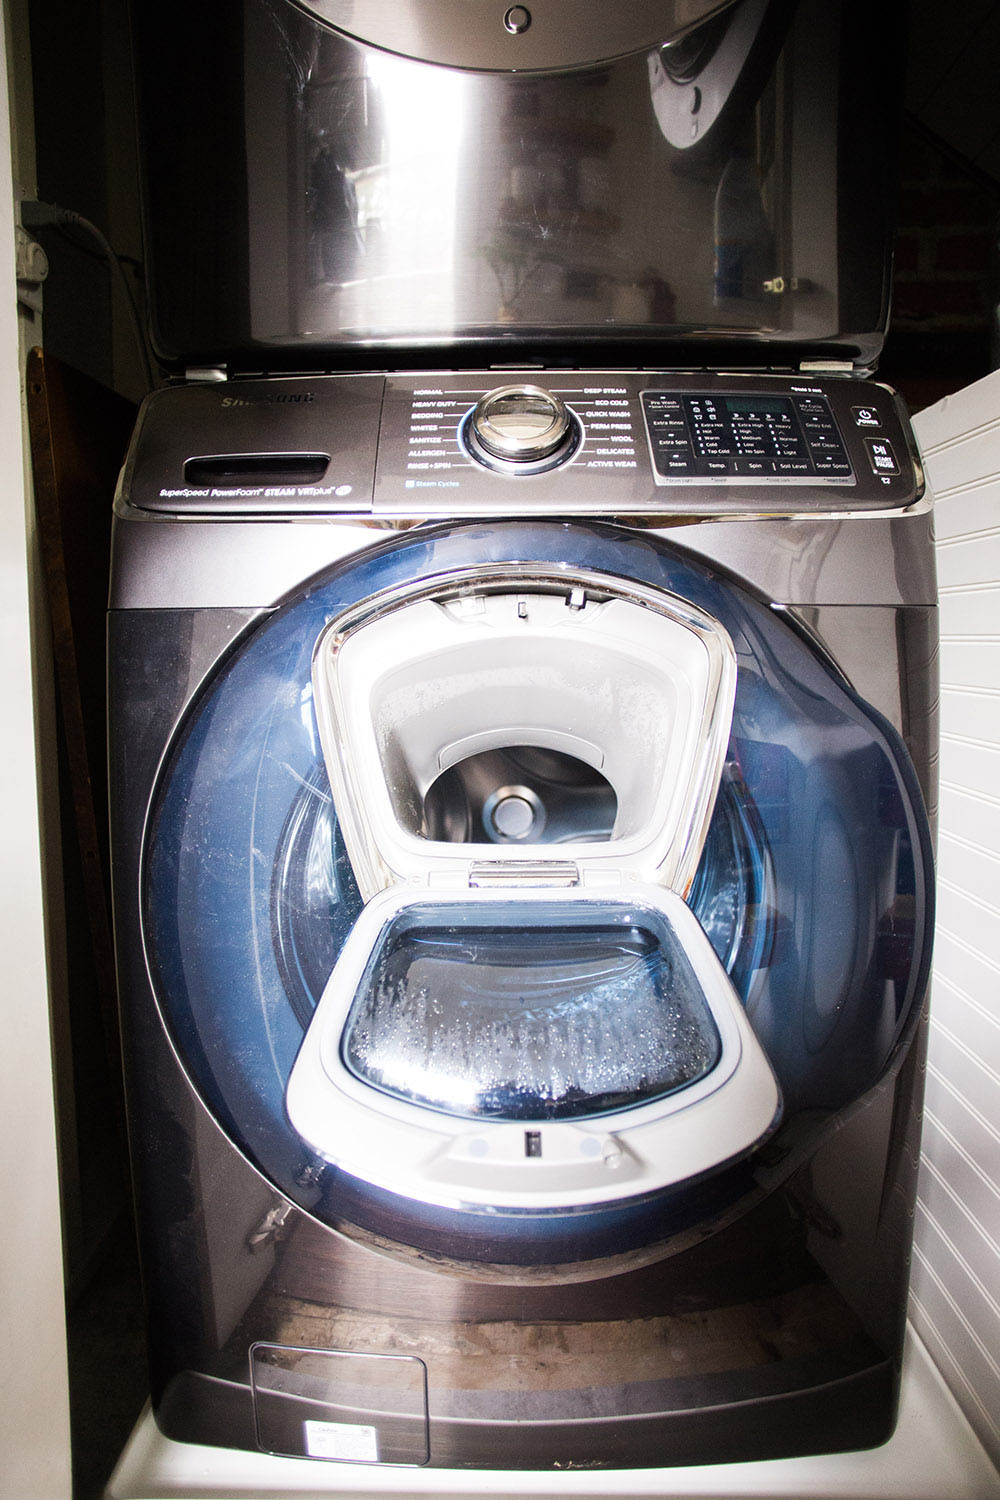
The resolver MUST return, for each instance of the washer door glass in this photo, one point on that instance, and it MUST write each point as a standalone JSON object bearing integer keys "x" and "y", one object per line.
{"x": 528, "y": 1012}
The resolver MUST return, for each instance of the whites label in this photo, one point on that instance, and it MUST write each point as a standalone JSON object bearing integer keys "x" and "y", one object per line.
{"x": 343, "y": 1440}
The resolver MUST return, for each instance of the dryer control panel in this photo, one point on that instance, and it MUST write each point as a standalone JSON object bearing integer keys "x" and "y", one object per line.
{"x": 525, "y": 442}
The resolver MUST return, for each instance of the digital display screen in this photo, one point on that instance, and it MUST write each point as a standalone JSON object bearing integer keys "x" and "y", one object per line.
{"x": 771, "y": 405}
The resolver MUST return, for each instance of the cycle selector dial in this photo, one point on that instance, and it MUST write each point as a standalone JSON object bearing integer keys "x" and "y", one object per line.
{"x": 521, "y": 429}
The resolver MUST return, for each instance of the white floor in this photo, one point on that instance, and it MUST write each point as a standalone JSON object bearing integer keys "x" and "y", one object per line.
{"x": 934, "y": 1455}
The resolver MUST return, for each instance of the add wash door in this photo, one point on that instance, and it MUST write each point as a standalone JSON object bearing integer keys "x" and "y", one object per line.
{"x": 527, "y": 1017}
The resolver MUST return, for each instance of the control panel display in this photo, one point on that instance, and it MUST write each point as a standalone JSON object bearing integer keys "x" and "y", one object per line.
{"x": 632, "y": 442}
{"x": 744, "y": 438}
{"x": 611, "y": 443}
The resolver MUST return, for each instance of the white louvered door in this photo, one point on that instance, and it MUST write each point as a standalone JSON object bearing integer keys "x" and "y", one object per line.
{"x": 956, "y": 1266}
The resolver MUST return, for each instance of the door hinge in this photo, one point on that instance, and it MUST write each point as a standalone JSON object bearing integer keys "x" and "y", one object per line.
{"x": 524, "y": 872}
{"x": 32, "y": 269}
{"x": 271, "y": 1228}
{"x": 206, "y": 374}
{"x": 826, "y": 367}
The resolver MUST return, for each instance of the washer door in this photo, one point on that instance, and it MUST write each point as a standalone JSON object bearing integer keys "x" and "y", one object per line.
{"x": 530, "y": 1049}
{"x": 249, "y": 899}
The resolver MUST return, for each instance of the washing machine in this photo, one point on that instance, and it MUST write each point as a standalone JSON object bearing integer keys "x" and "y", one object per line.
{"x": 522, "y": 711}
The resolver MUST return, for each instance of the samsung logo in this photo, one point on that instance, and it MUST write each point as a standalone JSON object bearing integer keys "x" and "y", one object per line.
{"x": 301, "y": 398}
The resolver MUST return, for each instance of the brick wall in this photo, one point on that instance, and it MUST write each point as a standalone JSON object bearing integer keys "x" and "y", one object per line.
{"x": 944, "y": 277}
{"x": 944, "y": 247}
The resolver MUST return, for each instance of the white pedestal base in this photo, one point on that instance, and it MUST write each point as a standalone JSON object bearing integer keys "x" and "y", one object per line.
{"x": 933, "y": 1455}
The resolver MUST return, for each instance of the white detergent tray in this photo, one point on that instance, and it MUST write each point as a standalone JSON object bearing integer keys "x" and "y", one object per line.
{"x": 526, "y": 1047}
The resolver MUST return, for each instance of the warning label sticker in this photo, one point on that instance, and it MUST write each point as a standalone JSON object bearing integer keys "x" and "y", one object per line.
{"x": 347, "y": 1441}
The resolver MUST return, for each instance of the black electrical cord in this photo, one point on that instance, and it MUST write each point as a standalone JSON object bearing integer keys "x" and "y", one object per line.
{"x": 36, "y": 215}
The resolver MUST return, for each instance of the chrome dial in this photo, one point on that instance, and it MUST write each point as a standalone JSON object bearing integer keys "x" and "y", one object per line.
{"x": 520, "y": 428}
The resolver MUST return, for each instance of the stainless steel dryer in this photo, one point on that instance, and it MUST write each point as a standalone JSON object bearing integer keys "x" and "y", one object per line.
{"x": 522, "y": 730}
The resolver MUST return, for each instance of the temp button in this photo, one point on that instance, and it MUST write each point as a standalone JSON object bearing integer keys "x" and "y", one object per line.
{"x": 883, "y": 460}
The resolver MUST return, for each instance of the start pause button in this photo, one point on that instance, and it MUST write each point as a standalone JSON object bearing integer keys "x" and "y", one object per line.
{"x": 883, "y": 460}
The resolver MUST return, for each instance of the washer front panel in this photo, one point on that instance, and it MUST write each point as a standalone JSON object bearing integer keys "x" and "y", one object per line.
{"x": 248, "y": 896}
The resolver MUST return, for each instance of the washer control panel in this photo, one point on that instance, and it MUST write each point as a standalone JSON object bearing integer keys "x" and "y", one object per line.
{"x": 630, "y": 442}
{"x": 526, "y": 442}
{"x": 735, "y": 437}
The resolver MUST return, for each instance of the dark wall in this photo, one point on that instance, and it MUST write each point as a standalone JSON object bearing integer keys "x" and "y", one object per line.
{"x": 86, "y": 161}
{"x": 944, "y": 283}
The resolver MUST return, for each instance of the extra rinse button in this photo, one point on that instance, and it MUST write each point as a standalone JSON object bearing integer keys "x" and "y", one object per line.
{"x": 883, "y": 460}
